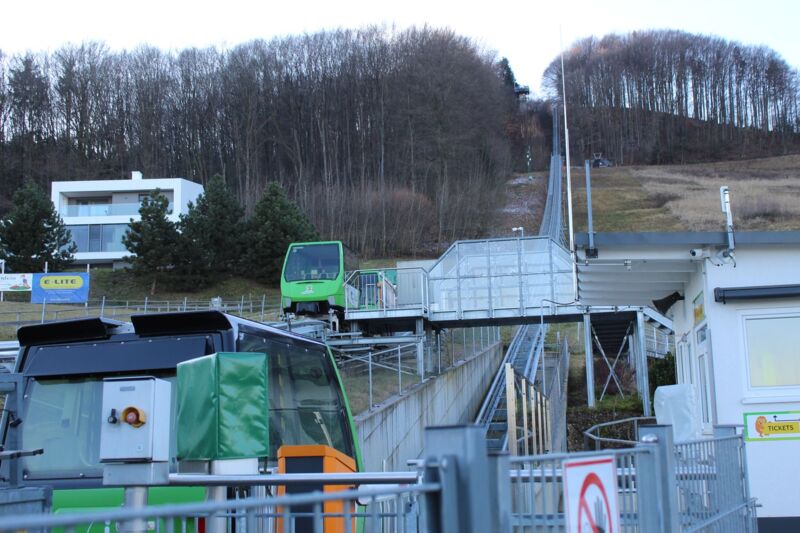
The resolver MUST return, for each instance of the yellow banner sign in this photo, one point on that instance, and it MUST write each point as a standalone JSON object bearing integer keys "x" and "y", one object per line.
{"x": 772, "y": 428}
{"x": 781, "y": 425}
{"x": 60, "y": 282}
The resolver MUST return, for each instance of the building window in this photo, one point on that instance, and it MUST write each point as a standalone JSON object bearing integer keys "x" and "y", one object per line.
{"x": 80, "y": 236}
{"x": 773, "y": 350}
{"x": 168, "y": 194}
{"x": 98, "y": 237}
{"x": 112, "y": 237}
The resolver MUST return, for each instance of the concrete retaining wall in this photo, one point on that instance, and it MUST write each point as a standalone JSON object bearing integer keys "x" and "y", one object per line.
{"x": 393, "y": 433}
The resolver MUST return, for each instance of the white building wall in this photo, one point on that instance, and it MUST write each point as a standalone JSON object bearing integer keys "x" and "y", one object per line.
{"x": 773, "y": 466}
{"x": 179, "y": 191}
{"x": 682, "y": 315}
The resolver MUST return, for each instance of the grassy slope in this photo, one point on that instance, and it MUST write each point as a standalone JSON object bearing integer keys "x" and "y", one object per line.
{"x": 121, "y": 285}
{"x": 686, "y": 197}
{"x": 619, "y": 203}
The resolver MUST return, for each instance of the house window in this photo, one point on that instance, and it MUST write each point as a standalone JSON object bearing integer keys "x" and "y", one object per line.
{"x": 98, "y": 237}
{"x": 773, "y": 350}
{"x": 143, "y": 196}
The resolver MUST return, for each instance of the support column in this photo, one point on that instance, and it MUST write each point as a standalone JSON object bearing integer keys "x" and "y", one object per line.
{"x": 135, "y": 498}
{"x": 587, "y": 345}
{"x": 439, "y": 350}
{"x": 641, "y": 364}
{"x": 631, "y": 352}
{"x": 420, "y": 348}
{"x": 511, "y": 410}
{"x": 526, "y": 435}
{"x": 663, "y": 486}
{"x": 462, "y": 467}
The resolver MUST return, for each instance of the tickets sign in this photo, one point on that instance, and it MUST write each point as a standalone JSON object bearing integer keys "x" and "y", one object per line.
{"x": 60, "y": 287}
{"x": 15, "y": 282}
{"x": 776, "y": 425}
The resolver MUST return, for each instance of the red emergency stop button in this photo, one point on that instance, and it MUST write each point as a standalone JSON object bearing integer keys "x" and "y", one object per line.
{"x": 134, "y": 416}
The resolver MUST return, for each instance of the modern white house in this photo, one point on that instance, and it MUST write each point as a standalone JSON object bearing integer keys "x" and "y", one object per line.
{"x": 734, "y": 299}
{"x": 97, "y": 212}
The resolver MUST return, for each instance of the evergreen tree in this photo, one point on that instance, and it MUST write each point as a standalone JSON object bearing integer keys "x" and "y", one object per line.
{"x": 275, "y": 224}
{"x": 211, "y": 235}
{"x": 33, "y": 234}
{"x": 153, "y": 239}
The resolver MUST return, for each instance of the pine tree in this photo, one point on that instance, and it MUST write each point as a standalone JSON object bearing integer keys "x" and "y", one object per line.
{"x": 211, "y": 235}
{"x": 153, "y": 239}
{"x": 276, "y": 223}
{"x": 33, "y": 234}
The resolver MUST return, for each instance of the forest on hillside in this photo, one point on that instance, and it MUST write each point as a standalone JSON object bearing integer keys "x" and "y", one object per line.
{"x": 396, "y": 142}
{"x": 667, "y": 96}
{"x": 383, "y": 139}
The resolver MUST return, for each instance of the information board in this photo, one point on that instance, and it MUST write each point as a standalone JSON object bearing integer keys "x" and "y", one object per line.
{"x": 15, "y": 282}
{"x": 60, "y": 287}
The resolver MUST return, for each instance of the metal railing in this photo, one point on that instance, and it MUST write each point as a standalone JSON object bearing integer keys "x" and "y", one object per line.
{"x": 557, "y": 396}
{"x": 543, "y": 425}
{"x": 388, "y": 292}
{"x": 537, "y": 502}
{"x": 107, "y": 209}
{"x": 657, "y": 486}
{"x": 371, "y": 376}
{"x": 496, "y": 389}
{"x": 499, "y": 277}
{"x": 626, "y": 431}
{"x": 257, "y": 308}
{"x": 711, "y": 476}
{"x": 392, "y": 508}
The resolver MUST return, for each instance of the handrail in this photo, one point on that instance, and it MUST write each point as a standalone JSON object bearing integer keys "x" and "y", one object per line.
{"x": 589, "y": 434}
{"x": 488, "y": 402}
{"x": 384, "y": 305}
{"x": 537, "y": 347}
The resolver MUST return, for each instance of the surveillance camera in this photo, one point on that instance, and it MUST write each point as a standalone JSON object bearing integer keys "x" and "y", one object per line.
{"x": 698, "y": 253}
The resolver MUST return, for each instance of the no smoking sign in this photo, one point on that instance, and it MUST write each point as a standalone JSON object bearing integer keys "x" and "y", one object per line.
{"x": 590, "y": 495}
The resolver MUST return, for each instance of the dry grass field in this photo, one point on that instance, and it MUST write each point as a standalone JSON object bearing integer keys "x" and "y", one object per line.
{"x": 765, "y": 195}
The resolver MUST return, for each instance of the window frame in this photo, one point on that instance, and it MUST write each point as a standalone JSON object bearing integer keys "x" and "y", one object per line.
{"x": 333, "y": 379}
{"x": 777, "y": 391}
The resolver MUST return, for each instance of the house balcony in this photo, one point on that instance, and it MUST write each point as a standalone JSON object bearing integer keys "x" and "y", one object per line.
{"x": 106, "y": 210}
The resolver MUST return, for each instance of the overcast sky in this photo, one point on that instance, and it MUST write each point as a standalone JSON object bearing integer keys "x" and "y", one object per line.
{"x": 525, "y": 32}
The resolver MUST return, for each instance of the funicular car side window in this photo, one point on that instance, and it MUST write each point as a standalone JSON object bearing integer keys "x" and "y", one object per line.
{"x": 305, "y": 404}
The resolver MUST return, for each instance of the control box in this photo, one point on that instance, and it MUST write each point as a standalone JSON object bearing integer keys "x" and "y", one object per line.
{"x": 135, "y": 423}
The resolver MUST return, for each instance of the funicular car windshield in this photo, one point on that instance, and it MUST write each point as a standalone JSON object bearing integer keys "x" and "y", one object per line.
{"x": 312, "y": 262}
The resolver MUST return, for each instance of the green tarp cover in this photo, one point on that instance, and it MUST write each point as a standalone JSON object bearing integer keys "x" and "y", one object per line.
{"x": 222, "y": 410}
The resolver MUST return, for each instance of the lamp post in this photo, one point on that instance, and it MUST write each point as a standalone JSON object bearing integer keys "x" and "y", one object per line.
{"x": 521, "y": 231}
{"x": 2, "y": 271}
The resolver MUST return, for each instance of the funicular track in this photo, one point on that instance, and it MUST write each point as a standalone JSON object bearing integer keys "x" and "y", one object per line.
{"x": 526, "y": 352}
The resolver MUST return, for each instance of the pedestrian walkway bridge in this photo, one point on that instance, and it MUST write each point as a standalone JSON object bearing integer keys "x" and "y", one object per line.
{"x": 479, "y": 282}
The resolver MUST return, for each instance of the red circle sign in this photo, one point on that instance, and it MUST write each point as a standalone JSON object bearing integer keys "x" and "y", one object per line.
{"x": 592, "y": 480}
